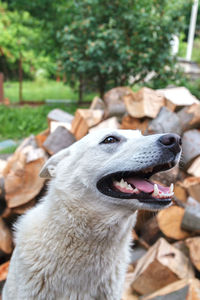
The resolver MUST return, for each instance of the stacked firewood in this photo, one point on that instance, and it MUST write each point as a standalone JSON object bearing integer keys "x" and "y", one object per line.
{"x": 166, "y": 253}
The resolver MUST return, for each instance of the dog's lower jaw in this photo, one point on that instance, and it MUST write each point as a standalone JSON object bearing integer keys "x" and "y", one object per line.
{"x": 69, "y": 251}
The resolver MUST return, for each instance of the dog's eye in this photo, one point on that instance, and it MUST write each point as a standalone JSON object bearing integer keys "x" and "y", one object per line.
{"x": 110, "y": 140}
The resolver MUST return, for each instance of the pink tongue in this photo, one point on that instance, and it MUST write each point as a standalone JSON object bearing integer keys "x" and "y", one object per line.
{"x": 145, "y": 185}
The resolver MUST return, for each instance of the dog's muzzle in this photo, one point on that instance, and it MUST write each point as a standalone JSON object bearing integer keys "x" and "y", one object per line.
{"x": 136, "y": 184}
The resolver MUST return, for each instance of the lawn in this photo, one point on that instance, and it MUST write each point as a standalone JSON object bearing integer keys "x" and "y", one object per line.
{"x": 42, "y": 90}
{"x": 19, "y": 122}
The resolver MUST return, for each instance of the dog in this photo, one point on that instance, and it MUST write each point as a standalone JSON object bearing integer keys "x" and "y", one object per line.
{"x": 74, "y": 244}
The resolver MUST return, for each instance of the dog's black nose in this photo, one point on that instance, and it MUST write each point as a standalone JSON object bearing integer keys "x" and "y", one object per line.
{"x": 171, "y": 141}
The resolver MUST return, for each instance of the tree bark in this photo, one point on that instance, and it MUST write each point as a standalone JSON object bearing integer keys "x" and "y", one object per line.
{"x": 80, "y": 100}
{"x": 20, "y": 79}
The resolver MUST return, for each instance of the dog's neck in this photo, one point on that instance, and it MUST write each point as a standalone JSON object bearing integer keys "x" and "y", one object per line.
{"x": 89, "y": 219}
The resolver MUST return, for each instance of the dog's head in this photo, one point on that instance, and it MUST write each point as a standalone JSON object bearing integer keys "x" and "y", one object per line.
{"x": 114, "y": 168}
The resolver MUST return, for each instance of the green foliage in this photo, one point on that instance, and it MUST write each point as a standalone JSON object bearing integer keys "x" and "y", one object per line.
{"x": 19, "y": 122}
{"x": 20, "y": 37}
{"x": 106, "y": 43}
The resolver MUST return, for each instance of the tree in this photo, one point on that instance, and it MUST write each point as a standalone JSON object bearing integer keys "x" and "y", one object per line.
{"x": 107, "y": 42}
{"x": 19, "y": 40}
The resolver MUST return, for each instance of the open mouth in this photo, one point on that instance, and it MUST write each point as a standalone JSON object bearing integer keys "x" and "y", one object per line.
{"x": 137, "y": 185}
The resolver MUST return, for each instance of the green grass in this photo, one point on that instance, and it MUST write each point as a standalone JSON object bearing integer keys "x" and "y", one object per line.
{"x": 8, "y": 150}
{"x": 42, "y": 90}
{"x": 19, "y": 122}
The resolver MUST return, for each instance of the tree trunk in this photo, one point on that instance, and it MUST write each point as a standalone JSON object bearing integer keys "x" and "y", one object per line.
{"x": 1, "y": 88}
{"x": 80, "y": 99}
{"x": 20, "y": 79}
{"x": 102, "y": 86}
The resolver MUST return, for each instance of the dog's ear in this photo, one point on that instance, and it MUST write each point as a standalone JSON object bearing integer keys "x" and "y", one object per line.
{"x": 49, "y": 168}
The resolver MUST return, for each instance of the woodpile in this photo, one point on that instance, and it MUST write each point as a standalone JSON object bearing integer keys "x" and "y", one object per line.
{"x": 165, "y": 261}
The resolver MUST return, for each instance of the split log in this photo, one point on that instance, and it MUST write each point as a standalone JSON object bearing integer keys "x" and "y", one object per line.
{"x": 180, "y": 245}
{"x": 169, "y": 222}
{"x": 167, "y": 177}
{"x": 111, "y": 123}
{"x": 21, "y": 209}
{"x": 59, "y": 115}
{"x": 192, "y": 185}
{"x": 178, "y": 97}
{"x": 191, "y": 145}
{"x": 85, "y": 119}
{"x": 180, "y": 192}
{"x": 41, "y": 137}
{"x": 145, "y": 103}
{"x": 185, "y": 289}
{"x": 191, "y": 218}
{"x": 21, "y": 174}
{"x": 194, "y": 169}
{"x": 114, "y": 102}
{"x": 128, "y": 293}
{"x": 194, "y": 250}
{"x": 129, "y": 122}
{"x": 162, "y": 265}
{"x": 166, "y": 121}
{"x": 150, "y": 231}
{"x": 97, "y": 103}
{"x": 190, "y": 117}
{"x": 4, "y": 270}
{"x": 59, "y": 139}
{"x": 6, "y": 244}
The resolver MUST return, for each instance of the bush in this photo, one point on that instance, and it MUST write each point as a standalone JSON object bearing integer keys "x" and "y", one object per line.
{"x": 106, "y": 43}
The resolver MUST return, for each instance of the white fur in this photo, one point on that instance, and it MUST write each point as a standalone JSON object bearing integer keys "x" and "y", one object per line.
{"x": 74, "y": 244}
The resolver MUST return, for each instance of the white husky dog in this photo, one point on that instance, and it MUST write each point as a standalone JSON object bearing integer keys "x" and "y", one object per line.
{"x": 74, "y": 244}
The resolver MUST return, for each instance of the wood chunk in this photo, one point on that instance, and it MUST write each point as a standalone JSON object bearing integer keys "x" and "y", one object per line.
{"x": 129, "y": 122}
{"x": 165, "y": 122}
{"x": 180, "y": 192}
{"x": 194, "y": 169}
{"x": 150, "y": 231}
{"x": 6, "y": 244}
{"x": 4, "y": 270}
{"x": 85, "y": 119}
{"x": 41, "y": 137}
{"x": 114, "y": 102}
{"x": 191, "y": 145}
{"x": 111, "y": 123}
{"x": 178, "y": 97}
{"x": 166, "y": 177}
{"x": 191, "y": 218}
{"x": 185, "y": 289}
{"x": 21, "y": 209}
{"x": 61, "y": 138}
{"x": 192, "y": 185}
{"x": 3, "y": 164}
{"x": 169, "y": 222}
{"x": 162, "y": 265}
{"x": 145, "y": 103}
{"x": 190, "y": 117}
{"x": 128, "y": 293}
{"x": 59, "y": 115}
{"x": 194, "y": 250}
{"x": 180, "y": 245}
{"x": 97, "y": 103}
{"x": 21, "y": 174}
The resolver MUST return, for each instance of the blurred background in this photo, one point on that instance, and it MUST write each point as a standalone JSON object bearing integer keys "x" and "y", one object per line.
{"x": 73, "y": 50}
{"x": 71, "y": 67}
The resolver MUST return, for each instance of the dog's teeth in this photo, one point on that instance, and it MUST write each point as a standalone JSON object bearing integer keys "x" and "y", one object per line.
{"x": 123, "y": 184}
{"x": 171, "y": 189}
{"x": 156, "y": 190}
